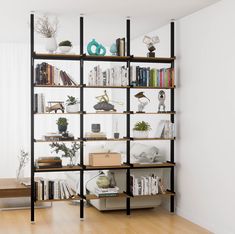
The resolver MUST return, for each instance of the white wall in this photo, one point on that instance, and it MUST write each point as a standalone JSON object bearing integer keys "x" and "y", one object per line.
{"x": 205, "y": 97}
{"x": 205, "y": 114}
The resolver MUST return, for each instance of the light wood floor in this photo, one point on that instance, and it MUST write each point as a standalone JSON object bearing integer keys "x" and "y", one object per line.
{"x": 63, "y": 218}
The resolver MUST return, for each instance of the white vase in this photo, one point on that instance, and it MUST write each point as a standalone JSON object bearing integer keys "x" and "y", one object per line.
{"x": 140, "y": 134}
{"x": 73, "y": 108}
{"x": 50, "y": 44}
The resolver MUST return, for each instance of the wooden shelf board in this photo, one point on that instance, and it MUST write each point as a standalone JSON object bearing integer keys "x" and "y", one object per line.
{"x": 43, "y": 141}
{"x": 106, "y": 87}
{"x": 64, "y": 168}
{"x": 59, "y": 200}
{"x": 93, "y": 196}
{"x": 106, "y": 113}
{"x": 123, "y": 166}
{"x": 152, "y": 60}
{"x": 108, "y": 139}
{"x": 152, "y": 139}
{"x": 156, "y": 113}
{"x": 168, "y": 193}
{"x": 148, "y": 87}
{"x": 77, "y": 113}
{"x": 106, "y": 58}
{"x": 153, "y": 165}
{"x": 57, "y": 56}
{"x": 57, "y": 86}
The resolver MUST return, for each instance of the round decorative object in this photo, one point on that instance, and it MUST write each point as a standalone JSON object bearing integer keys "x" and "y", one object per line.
{"x": 62, "y": 128}
{"x": 104, "y": 106}
{"x": 65, "y": 49}
{"x": 50, "y": 44}
{"x": 95, "y": 127}
{"x": 99, "y": 48}
{"x": 73, "y": 108}
{"x": 103, "y": 181}
{"x": 140, "y": 134}
{"x": 113, "y": 49}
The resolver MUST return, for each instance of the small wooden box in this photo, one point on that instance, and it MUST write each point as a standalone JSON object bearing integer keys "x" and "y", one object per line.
{"x": 105, "y": 159}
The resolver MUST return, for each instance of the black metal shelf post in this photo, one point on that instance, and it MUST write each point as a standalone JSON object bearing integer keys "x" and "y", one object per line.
{"x": 172, "y": 107}
{"x": 128, "y": 205}
{"x": 32, "y": 112}
{"x": 81, "y": 120}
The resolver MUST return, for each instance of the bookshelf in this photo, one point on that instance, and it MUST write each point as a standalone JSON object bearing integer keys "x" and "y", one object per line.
{"x": 81, "y": 58}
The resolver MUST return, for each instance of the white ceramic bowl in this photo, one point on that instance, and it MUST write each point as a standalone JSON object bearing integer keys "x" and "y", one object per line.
{"x": 65, "y": 49}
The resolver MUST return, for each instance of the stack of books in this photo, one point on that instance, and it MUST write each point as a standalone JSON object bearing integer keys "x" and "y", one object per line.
{"x": 106, "y": 192}
{"x": 39, "y": 103}
{"x": 146, "y": 185}
{"x": 46, "y": 74}
{"x": 48, "y": 162}
{"x": 95, "y": 135}
{"x": 52, "y": 189}
{"x": 144, "y": 76}
{"x": 115, "y": 76}
{"x": 120, "y": 44}
{"x": 58, "y": 137}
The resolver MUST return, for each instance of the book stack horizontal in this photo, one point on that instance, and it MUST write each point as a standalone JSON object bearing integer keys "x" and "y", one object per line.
{"x": 106, "y": 192}
{"x": 46, "y": 74}
{"x": 95, "y": 135}
{"x": 144, "y": 76}
{"x": 46, "y": 189}
{"x": 48, "y": 162}
{"x": 58, "y": 137}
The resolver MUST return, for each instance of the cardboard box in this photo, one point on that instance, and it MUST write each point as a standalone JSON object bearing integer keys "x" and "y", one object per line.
{"x": 105, "y": 159}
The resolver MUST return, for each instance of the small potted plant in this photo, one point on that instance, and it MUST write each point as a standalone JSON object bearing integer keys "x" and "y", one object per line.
{"x": 62, "y": 124}
{"x": 141, "y": 129}
{"x": 68, "y": 152}
{"x": 72, "y": 105}
{"x": 65, "y": 46}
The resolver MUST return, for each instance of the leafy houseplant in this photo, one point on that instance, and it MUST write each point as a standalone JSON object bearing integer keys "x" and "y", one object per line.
{"x": 47, "y": 29}
{"x": 62, "y": 124}
{"x": 141, "y": 129}
{"x": 65, "y": 46}
{"x": 72, "y": 105}
{"x": 67, "y": 152}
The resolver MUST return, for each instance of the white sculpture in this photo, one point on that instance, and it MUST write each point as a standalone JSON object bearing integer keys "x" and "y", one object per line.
{"x": 143, "y": 101}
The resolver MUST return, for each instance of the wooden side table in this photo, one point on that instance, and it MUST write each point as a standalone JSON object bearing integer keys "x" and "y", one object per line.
{"x": 10, "y": 187}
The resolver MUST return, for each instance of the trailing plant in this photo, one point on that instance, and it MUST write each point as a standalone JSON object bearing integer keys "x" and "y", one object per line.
{"x": 142, "y": 126}
{"x": 62, "y": 122}
{"x": 67, "y": 152}
{"x": 65, "y": 43}
{"x": 46, "y": 28}
{"x": 71, "y": 101}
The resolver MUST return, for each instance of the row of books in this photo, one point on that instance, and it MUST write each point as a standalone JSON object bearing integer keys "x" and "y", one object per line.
{"x": 39, "y": 103}
{"x": 144, "y": 76}
{"x": 106, "y": 192}
{"x": 48, "y": 162}
{"x": 146, "y": 185}
{"x": 52, "y": 189}
{"x": 115, "y": 76}
{"x": 46, "y": 74}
